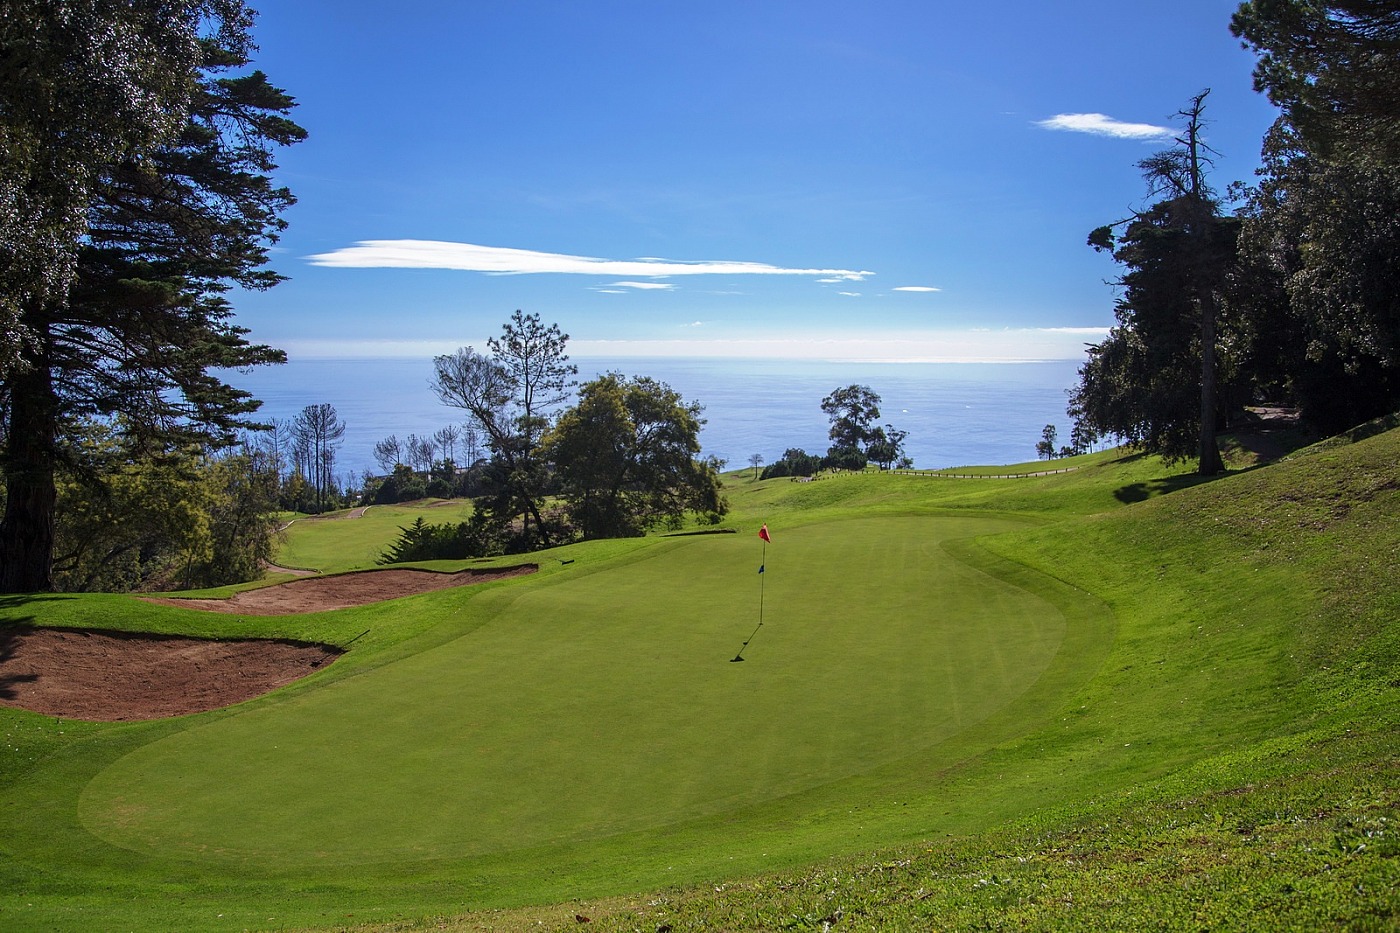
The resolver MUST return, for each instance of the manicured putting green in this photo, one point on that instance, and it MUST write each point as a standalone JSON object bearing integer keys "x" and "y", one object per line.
{"x": 604, "y": 700}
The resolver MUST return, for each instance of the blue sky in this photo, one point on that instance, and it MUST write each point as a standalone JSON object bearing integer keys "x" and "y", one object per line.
{"x": 874, "y": 181}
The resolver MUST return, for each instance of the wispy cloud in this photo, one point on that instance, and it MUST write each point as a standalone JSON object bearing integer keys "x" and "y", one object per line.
{"x": 850, "y": 294}
{"x": 643, "y": 285}
{"x": 498, "y": 260}
{"x": 1099, "y": 124}
{"x": 916, "y": 288}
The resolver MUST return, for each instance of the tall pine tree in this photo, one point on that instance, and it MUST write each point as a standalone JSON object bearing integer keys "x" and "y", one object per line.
{"x": 167, "y": 229}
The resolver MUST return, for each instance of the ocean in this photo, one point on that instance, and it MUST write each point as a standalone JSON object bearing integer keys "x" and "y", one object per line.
{"x": 957, "y": 414}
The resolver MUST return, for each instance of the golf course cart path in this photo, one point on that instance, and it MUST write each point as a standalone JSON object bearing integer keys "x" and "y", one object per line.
{"x": 123, "y": 676}
{"x": 341, "y": 591}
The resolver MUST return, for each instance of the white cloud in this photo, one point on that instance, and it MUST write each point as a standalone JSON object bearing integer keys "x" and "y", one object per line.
{"x": 850, "y": 294}
{"x": 1099, "y": 124}
{"x": 654, "y": 285}
{"x": 916, "y": 288}
{"x": 498, "y": 260}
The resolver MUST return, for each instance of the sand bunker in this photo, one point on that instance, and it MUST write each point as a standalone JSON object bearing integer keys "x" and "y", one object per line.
{"x": 318, "y": 594}
{"x": 118, "y": 676}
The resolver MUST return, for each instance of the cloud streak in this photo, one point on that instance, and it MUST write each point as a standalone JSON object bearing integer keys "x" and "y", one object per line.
{"x": 1099, "y": 124}
{"x": 498, "y": 260}
{"x": 916, "y": 288}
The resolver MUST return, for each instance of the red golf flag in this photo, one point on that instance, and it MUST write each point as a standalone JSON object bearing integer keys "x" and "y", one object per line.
{"x": 763, "y": 533}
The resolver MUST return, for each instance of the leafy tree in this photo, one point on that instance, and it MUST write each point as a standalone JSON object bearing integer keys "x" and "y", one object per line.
{"x": 1153, "y": 380}
{"x": 402, "y": 485}
{"x": 131, "y": 314}
{"x": 1045, "y": 447}
{"x": 1320, "y": 234}
{"x": 127, "y": 521}
{"x": 886, "y": 447}
{"x": 507, "y": 396}
{"x": 795, "y": 462}
{"x": 475, "y": 537}
{"x": 533, "y": 357}
{"x": 853, "y": 411}
{"x": 1323, "y": 240}
{"x": 627, "y": 458}
{"x": 1081, "y": 438}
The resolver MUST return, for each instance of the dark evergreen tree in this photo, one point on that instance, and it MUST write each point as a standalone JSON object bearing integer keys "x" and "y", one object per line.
{"x": 1321, "y": 236}
{"x": 170, "y": 227}
{"x": 1154, "y": 380}
{"x": 1333, "y": 67}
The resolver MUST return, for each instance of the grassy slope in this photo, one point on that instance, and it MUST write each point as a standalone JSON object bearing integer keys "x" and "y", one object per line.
{"x": 1207, "y": 774}
{"x": 335, "y": 544}
{"x": 1240, "y": 739}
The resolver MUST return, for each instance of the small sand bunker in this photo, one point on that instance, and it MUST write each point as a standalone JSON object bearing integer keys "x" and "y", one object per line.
{"x": 119, "y": 676}
{"x": 318, "y": 594}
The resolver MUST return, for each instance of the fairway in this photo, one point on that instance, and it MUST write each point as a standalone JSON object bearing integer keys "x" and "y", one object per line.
{"x": 603, "y": 700}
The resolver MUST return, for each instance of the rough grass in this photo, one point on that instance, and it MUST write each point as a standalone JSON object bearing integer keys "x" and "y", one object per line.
{"x": 335, "y": 543}
{"x": 1220, "y": 755}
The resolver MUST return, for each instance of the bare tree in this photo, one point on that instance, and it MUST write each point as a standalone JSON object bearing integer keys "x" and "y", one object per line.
{"x": 388, "y": 453}
{"x": 447, "y": 439}
{"x": 317, "y": 432}
{"x": 471, "y": 444}
{"x": 420, "y": 452}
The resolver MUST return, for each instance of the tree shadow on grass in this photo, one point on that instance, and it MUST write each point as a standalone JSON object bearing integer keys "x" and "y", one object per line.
{"x": 11, "y": 634}
{"x": 1139, "y": 492}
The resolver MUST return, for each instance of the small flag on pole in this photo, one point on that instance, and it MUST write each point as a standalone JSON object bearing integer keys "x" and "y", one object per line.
{"x": 763, "y": 533}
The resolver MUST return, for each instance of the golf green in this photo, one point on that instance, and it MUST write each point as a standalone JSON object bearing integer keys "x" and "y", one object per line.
{"x": 604, "y": 700}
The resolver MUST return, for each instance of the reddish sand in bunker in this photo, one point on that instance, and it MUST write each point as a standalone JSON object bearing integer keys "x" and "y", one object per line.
{"x": 116, "y": 676}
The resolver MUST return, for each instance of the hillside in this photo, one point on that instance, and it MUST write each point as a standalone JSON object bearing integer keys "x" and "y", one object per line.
{"x": 1256, "y": 656}
{"x": 1116, "y": 697}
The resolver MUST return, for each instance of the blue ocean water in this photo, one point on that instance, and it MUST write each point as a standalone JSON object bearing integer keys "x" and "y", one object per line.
{"x": 957, "y": 414}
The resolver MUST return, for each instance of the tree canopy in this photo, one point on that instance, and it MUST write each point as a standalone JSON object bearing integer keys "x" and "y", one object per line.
{"x": 1321, "y": 239}
{"x": 154, "y": 226}
{"x": 627, "y": 458}
{"x": 1332, "y": 68}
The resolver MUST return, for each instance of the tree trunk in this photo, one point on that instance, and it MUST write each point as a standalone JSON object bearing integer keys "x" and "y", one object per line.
{"x": 27, "y": 531}
{"x": 1210, "y": 463}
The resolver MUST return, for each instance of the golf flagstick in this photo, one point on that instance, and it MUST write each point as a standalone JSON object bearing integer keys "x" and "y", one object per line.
{"x": 763, "y": 563}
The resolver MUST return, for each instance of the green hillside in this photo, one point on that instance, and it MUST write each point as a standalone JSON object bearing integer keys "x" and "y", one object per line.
{"x": 1116, "y": 697}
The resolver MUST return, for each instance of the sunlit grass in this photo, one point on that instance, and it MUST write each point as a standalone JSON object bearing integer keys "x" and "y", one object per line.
{"x": 1192, "y": 725}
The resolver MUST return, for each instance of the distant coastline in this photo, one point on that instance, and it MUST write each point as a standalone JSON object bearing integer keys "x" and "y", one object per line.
{"x": 956, "y": 413}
